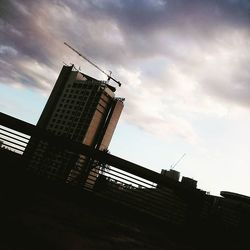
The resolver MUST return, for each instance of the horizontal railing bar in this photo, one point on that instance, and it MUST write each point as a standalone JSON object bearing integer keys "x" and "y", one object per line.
{"x": 130, "y": 181}
{"x": 143, "y": 181}
{"x": 8, "y": 131}
{"x": 12, "y": 147}
{"x": 7, "y": 140}
{"x": 16, "y": 139}
{"x": 123, "y": 178}
{"x": 115, "y": 169}
{"x": 16, "y": 124}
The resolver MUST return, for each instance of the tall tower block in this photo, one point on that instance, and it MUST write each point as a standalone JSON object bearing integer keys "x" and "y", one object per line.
{"x": 82, "y": 109}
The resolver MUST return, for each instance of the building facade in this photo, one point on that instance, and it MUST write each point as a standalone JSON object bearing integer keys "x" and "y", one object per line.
{"x": 82, "y": 109}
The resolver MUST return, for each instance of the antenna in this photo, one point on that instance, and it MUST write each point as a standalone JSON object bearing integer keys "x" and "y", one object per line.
{"x": 174, "y": 165}
{"x": 93, "y": 64}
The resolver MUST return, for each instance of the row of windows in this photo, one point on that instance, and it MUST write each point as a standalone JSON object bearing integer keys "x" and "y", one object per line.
{"x": 68, "y": 103}
{"x": 56, "y": 122}
{"x": 74, "y": 104}
{"x": 66, "y": 108}
{"x": 69, "y": 131}
{"x": 83, "y": 85}
{"x": 66, "y": 117}
{"x": 70, "y": 111}
{"x": 74, "y": 109}
{"x": 51, "y": 170}
{"x": 70, "y": 115}
{"x": 75, "y": 116}
{"x": 54, "y": 157}
{"x": 67, "y": 100}
{"x": 82, "y": 94}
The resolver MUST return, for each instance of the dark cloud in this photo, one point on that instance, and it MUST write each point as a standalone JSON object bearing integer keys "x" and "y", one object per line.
{"x": 20, "y": 32}
{"x": 139, "y": 23}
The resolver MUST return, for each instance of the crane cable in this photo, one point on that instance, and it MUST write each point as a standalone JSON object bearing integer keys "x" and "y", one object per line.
{"x": 81, "y": 55}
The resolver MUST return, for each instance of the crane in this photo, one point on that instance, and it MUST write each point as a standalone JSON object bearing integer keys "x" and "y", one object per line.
{"x": 174, "y": 165}
{"x": 93, "y": 64}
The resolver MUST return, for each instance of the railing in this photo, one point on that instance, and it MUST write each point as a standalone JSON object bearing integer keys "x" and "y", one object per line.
{"x": 104, "y": 174}
{"x": 113, "y": 178}
{"x": 139, "y": 193}
{"x": 13, "y": 141}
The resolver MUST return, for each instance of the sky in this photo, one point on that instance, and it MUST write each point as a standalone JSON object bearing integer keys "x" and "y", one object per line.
{"x": 184, "y": 66}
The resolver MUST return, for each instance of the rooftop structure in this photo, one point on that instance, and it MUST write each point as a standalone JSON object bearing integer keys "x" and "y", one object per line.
{"x": 173, "y": 174}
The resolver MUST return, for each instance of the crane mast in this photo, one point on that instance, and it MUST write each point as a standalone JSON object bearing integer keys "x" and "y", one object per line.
{"x": 174, "y": 165}
{"x": 93, "y": 64}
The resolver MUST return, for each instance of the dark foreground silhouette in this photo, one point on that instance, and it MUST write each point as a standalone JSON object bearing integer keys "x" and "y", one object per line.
{"x": 40, "y": 214}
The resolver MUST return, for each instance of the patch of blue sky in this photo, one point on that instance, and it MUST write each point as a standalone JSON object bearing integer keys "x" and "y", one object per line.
{"x": 21, "y": 103}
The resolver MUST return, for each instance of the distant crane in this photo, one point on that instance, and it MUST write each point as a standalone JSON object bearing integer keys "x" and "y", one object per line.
{"x": 174, "y": 165}
{"x": 93, "y": 64}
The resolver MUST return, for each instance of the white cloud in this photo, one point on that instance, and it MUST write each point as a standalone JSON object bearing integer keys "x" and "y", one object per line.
{"x": 7, "y": 50}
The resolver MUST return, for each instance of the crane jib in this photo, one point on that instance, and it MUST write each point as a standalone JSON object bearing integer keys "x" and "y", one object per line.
{"x": 93, "y": 64}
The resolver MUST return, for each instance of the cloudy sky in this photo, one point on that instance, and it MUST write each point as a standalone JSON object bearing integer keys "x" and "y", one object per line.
{"x": 184, "y": 65}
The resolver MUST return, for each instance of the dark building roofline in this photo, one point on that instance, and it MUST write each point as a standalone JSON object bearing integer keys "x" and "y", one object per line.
{"x": 235, "y": 196}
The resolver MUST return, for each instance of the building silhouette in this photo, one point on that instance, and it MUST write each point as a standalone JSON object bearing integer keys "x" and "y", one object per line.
{"x": 82, "y": 109}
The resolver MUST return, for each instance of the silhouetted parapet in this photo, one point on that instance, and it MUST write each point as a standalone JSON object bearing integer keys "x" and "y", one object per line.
{"x": 189, "y": 182}
{"x": 235, "y": 196}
